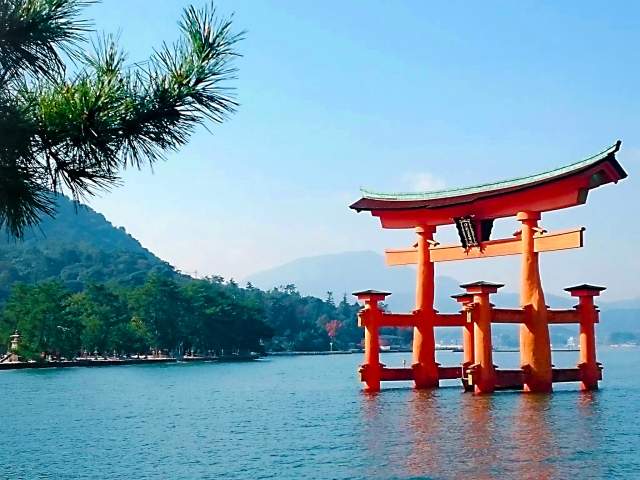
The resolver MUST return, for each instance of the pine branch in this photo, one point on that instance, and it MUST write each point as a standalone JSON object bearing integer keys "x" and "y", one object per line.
{"x": 184, "y": 85}
{"x": 33, "y": 32}
{"x": 22, "y": 195}
{"x": 23, "y": 199}
{"x": 79, "y": 133}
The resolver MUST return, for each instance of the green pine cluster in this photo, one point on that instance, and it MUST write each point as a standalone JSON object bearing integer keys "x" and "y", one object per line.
{"x": 74, "y": 111}
{"x": 78, "y": 247}
{"x": 201, "y": 317}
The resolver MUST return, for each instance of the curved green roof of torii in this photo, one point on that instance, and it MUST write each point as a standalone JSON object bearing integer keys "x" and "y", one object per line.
{"x": 501, "y": 185}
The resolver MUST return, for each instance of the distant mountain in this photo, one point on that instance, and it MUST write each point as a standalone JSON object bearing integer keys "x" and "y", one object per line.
{"x": 628, "y": 304}
{"x": 78, "y": 246}
{"x": 339, "y": 272}
{"x": 344, "y": 273}
{"x": 350, "y": 271}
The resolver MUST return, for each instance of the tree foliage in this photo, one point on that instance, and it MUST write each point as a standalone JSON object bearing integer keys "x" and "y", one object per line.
{"x": 75, "y": 132}
{"x": 173, "y": 315}
{"x": 78, "y": 248}
{"x": 40, "y": 313}
{"x": 300, "y": 322}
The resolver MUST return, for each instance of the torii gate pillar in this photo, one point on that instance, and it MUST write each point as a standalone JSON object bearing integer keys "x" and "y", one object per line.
{"x": 589, "y": 367}
{"x": 425, "y": 368}
{"x": 535, "y": 345}
{"x": 484, "y": 374}
{"x": 369, "y": 318}
{"x": 468, "y": 355}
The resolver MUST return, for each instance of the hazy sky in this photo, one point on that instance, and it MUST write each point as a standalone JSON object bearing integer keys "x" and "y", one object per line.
{"x": 392, "y": 96}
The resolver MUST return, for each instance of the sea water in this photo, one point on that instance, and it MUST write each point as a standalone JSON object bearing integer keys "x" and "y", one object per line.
{"x": 306, "y": 417}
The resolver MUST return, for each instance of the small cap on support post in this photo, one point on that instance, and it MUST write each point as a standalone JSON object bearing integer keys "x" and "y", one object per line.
{"x": 481, "y": 287}
{"x": 527, "y": 215}
{"x": 463, "y": 298}
{"x": 371, "y": 295}
{"x": 585, "y": 290}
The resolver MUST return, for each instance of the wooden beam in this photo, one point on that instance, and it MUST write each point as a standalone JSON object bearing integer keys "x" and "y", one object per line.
{"x": 509, "y": 379}
{"x": 566, "y": 375}
{"x": 449, "y": 320}
{"x": 498, "y": 315}
{"x": 396, "y": 374}
{"x": 404, "y": 374}
{"x": 507, "y": 315}
{"x": 410, "y": 320}
{"x": 563, "y": 316}
{"x": 546, "y": 242}
{"x": 398, "y": 320}
{"x": 449, "y": 373}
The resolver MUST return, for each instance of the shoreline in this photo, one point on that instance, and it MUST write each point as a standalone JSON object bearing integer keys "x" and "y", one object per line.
{"x": 114, "y": 362}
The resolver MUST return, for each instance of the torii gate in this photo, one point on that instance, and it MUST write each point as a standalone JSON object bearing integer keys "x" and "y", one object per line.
{"x": 473, "y": 211}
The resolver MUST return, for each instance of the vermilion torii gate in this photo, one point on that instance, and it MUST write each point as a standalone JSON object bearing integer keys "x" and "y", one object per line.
{"x": 473, "y": 211}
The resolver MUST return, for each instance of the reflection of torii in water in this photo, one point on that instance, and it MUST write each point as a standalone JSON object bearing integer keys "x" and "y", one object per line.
{"x": 473, "y": 211}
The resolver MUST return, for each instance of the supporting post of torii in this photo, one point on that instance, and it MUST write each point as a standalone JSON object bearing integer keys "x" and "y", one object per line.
{"x": 369, "y": 318}
{"x": 535, "y": 345}
{"x": 483, "y": 370}
{"x": 425, "y": 368}
{"x": 468, "y": 355}
{"x": 466, "y": 301}
{"x": 588, "y": 365}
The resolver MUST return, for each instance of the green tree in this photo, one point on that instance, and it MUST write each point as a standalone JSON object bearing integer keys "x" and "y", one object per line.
{"x": 160, "y": 305}
{"x": 40, "y": 314}
{"x": 349, "y": 335}
{"x": 203, "y": 326}
{"x": 75, "y": 132}
{"x": 174, "y": 314}
{"x": 105, "y": 318}
{"x": 223, "y": 317}
{"x": 132, "y": 337}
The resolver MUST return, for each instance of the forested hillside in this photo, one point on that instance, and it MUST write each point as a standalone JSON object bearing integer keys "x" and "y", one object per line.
{"x": 77, "y": 247}
{"x": 81, "y": 284}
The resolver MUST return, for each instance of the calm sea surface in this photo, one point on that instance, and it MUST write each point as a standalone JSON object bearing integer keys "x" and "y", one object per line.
{"x": 307, "y": 418}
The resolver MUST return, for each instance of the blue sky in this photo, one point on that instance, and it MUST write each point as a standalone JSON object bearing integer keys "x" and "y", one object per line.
{"x": 392, "y": 96}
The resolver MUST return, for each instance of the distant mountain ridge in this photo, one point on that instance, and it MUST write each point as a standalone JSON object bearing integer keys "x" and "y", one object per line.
{"x": 77, "y": 247}
{"x": 350, "y": 271}
{"x": 340, "y": 273}
{"x": 77, "y": 223}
